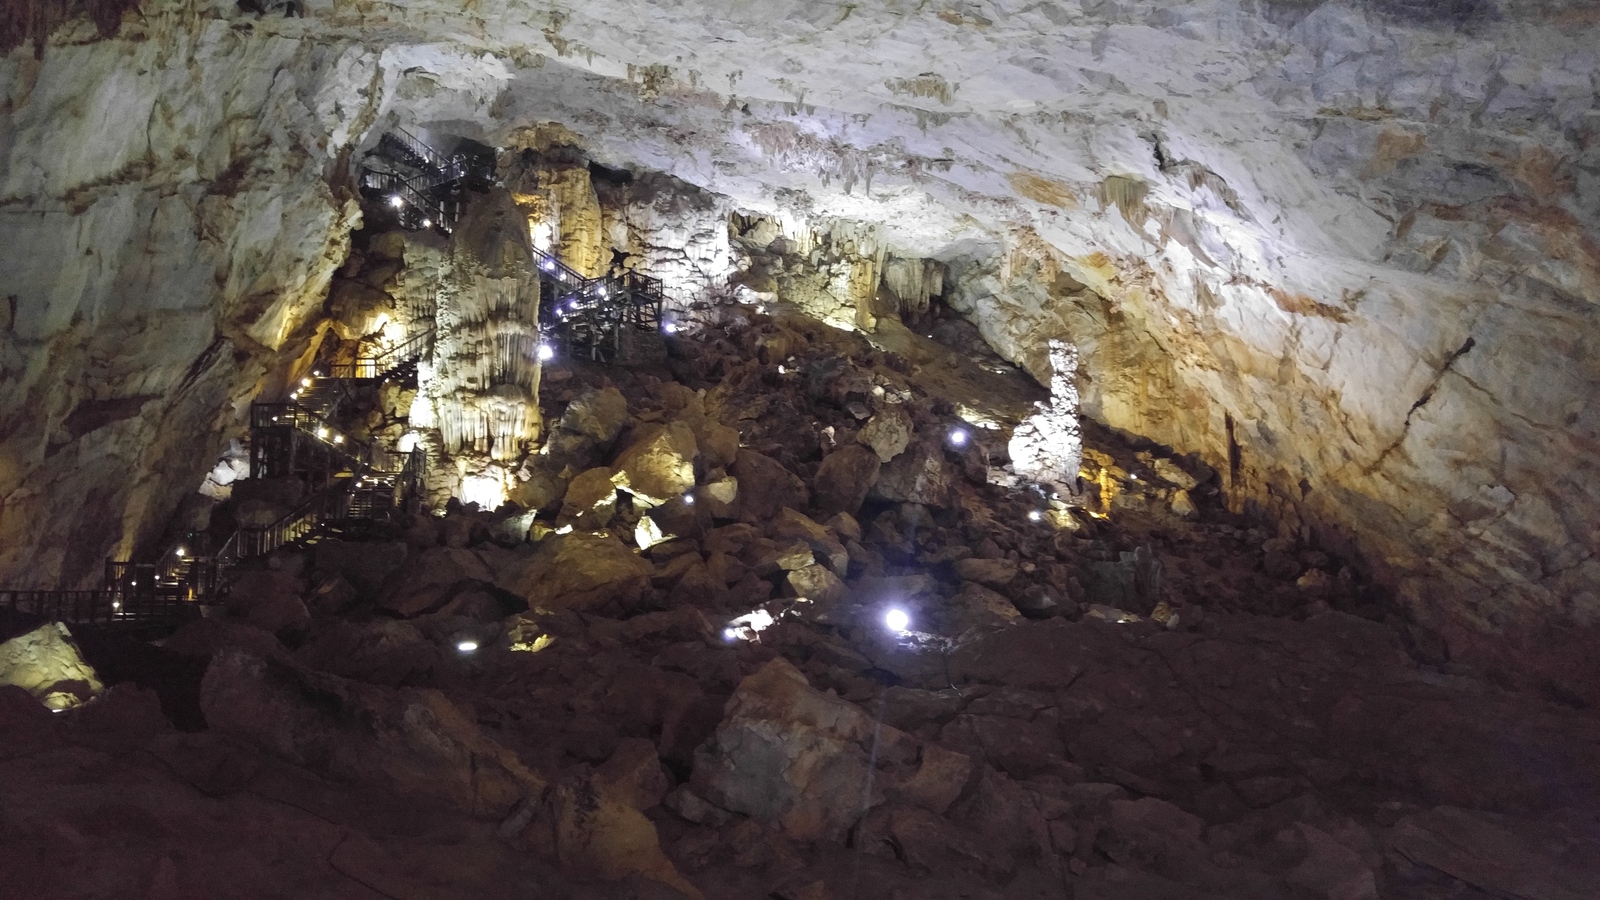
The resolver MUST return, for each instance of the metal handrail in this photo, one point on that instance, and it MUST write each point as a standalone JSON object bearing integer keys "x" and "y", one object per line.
{"x": 370, "y": 368}
{"x": 415, "y": 146}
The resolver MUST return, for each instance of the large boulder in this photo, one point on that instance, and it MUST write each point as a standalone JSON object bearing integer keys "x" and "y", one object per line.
{"x": 591, "y": 832}
{"x": 719, "y": 444}
{"x": 844, "y": 478}
{"x": 382, "y": 651}
{"x": 270, "y": 600}
{"x": 578, "y": 571}
{"x": 793, "y": 525}
{"x": 591, "y": 500}
{"x": 888, "y": 433}
{"x": 790, "y": 755}
{"x": 765, "y": 487}
{"x": 45, "y": 662}
{"x": 919, "y": 475}
{"x": 428, "y": 581}
{"x": 408, "y": 741}
{"x": 659, "y": 465}
{"x": 1473, "y": 848}
{"x": 585, "y": 432}
{"x": 365, "y": 565}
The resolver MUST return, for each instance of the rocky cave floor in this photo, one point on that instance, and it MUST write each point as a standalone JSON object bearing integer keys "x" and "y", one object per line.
{"x": 1162, "y": 703}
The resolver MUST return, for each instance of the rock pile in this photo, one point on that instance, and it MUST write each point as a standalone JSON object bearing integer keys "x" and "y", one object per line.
{"x": 756, "y": 626}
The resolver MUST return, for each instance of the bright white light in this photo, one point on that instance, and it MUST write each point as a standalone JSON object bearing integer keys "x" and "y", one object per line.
{"x": 1035, "y": 516}
{"x": 547, "y": 265}
{"x": 670, "y": 328}
{"x": 546, "y": 352}
{"x": 181, "y": 552}
{"x": 488, "y": 491}
{"x": 117, "y": 604}
{"x": 602, "y": 290}
{"x": 396, "y": 202}
{"x": 292, "y": 396}
{"x": 427, "y": 223}
{"x": 958, "y": 437}
{"x": 317, "y": 373}
{"x": 408, "y": 441}
{"x": 466, "y": 646}
{"x": 747, "y": 626}
{"x": 338, "y": 439}
{"x": 897, "y": 620}
{"x": 305, "y": 382}
{"x": 322, "y": 433}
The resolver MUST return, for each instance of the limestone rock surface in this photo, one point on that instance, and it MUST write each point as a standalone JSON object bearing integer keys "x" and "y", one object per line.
{"x": 790, "y": 755}
{"x": 579, "y": 571}
{"x": 659, "y": 465}
{"x": 46, "y": 663}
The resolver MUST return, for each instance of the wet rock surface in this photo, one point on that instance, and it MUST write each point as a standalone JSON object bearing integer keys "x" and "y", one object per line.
{"x": 1112, "y": 699}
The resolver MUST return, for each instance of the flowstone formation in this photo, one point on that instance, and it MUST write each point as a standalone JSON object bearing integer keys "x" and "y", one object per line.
{"x": 479, "y": 391}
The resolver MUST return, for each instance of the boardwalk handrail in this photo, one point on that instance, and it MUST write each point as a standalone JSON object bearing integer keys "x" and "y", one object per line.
{"x": 387, "y": 363}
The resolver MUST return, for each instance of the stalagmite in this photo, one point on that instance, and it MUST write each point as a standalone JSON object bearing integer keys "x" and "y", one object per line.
{"x": 1048, "y": 445}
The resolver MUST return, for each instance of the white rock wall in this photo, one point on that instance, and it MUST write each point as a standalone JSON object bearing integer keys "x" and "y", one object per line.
{"x": 166, "y": 234}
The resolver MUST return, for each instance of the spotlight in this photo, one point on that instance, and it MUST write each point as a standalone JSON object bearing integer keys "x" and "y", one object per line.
{"x": 116, "y": 604}
{"x": 959, "y": 437}
{"x": 546, "y": 352}
{"x": 730, "y": 635}
{"x": 182, "y": 552}
{"x": 688, "y": 499}
{"x": 669, "y": 328}
{"x": 1035, "y": 516}
{"x": 602, "y": 290}
{"x": 548, "y": 264}
{"x": 305, "y": 382}
{"x": 396, "y": 202}
{"x": 427, "y": 223}
{"x": 897, "y": 620}
{"x": 338, "y": 439}
{"x": 466, "y": 646}
{"x": 782, "y": 370}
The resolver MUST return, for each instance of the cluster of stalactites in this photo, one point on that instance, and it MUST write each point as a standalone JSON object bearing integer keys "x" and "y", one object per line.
{"x": 913, "y": 283}
{"x": 481, "y": 386}
{"x": 497, "y": 425}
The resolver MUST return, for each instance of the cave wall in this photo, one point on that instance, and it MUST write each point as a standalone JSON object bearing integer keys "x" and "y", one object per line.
{"x": 166, "y": 232}
{"x": 1361, "y": 232}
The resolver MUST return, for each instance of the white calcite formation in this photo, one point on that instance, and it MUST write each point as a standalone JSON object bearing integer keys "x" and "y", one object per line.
{"x": 1048, "y": 445}
{"x": 1345, "y": 251}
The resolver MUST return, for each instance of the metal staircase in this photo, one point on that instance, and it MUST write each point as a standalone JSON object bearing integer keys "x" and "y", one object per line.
{"x": 422, "y": 187}
{"x": 352, "y": 481}
{"x": 591, "y": 317}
